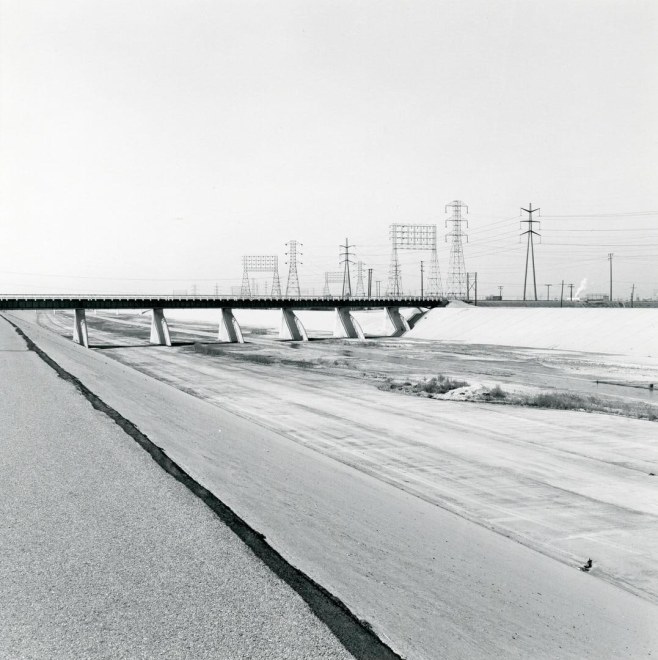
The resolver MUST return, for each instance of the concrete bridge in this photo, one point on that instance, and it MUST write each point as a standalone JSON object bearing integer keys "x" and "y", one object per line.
{"x": 346, "y": 326}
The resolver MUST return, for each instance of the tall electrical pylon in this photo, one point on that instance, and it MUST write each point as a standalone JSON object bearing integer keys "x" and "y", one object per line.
{"x": 530, "y": 249}
{"x": 456, "y": 289}
{"x": 245, "y": 289}
{"x": 292, "y": 287}
{"x": 360, "y": 290}
{"x": 276, "y": 283}
{"x": 346, "y": 261}
{"x": 394, "y": 287}
{"x": 434, "y": 279}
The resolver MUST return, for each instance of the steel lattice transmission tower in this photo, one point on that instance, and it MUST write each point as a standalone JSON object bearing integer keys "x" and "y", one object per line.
{"x": 292, "y": 287}
{"x": 360, "y": 290}
{"x": 457, "y": 270}
{"x": 260, "y": 264}
{"x": 394, "y": 287}
{"x": 417, "y": 238}
{"x": 331, "y": 278}
{"x": 346, "y": 261}
{"x": 530, "y": 249}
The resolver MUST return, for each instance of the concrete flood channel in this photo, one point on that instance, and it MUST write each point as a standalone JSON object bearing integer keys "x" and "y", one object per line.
{"x": 345, "y": 363}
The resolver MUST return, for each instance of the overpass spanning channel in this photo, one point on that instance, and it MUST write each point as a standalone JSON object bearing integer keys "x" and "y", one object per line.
{"x": 346, "y": 326}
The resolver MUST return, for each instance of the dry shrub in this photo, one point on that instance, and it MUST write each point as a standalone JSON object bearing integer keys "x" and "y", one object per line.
{"x": 439, "y": 385}
{"x": 498, "y": 392}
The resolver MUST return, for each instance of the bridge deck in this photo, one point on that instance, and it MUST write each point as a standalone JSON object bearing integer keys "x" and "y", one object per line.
{"x": 211, "y": 302}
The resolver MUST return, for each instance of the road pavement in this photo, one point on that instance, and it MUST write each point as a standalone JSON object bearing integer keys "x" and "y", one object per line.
{"x": 104, "y": 555}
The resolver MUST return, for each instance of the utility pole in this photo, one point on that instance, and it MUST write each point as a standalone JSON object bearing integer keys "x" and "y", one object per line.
{"x": 472, "y": 283}
{"x": 369, "y": 282}
{"x": 500, "y": 292}
{"x": 548, "y": 291}
{"x": 346, "y": 261}
{"x": 379, "y": 288}
{"x": 632, "y": 294}
{"x": 610, "y": 255}
{"x": 216, "y": 290}
{"x": 530, "y": 250}
{"x": 422, "y": 264}
{"x": 562, "y": 293}
{"x": 570, "y": 292}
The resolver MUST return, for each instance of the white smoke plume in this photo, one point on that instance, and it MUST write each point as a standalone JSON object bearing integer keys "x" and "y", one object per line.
{"x": 581, "y": 287}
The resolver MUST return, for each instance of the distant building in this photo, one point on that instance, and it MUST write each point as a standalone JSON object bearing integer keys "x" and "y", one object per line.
{"x": 494, "y": 298}
{"x": 597, "y": 299}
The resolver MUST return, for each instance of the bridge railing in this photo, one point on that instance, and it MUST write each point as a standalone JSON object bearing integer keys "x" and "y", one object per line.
{"x": 107, "y": 297}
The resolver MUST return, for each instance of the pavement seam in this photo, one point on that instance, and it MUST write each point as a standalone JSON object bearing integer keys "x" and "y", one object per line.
{"x": 356, "y": 635}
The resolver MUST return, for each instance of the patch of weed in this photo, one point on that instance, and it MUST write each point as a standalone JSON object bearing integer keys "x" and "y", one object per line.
{"x": 498, "y": 393}
{"x": 562, "y": 401}
{"x": 301, "y": 364}
{"x": 439, "y": 385}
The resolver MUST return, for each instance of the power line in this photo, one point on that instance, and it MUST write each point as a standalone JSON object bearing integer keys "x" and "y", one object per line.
{"x": 605, "y": 215}
{"x": 607, "y": 230}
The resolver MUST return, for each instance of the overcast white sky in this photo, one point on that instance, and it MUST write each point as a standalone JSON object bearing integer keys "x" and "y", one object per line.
{"x": 148, "y": 144}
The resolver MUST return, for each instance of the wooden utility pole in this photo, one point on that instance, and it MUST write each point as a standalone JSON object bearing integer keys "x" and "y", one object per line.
{"x": 562, "y": 293}
{"x": 632, "y": 293}
{"x": 570, "y": 292}
{"x": 369, "y": 282}
{"x": 610, "y": 255}
{"x": 548, "y": 291}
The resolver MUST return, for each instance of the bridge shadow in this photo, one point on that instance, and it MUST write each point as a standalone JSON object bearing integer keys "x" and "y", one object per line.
{"x": 108, "y": 347}
{"x": 342, "y": 338}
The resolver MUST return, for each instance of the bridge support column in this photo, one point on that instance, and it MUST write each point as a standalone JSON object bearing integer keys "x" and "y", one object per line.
{"x": 80, "y": 335}
{"x": 229, "y": 328}
{"x": 346, "y": 326}
{"x": 159, "y": 328}
{"x": 291, "y": 327}
{"x": 399, "y": 323}
{"x": 415, "y": 317}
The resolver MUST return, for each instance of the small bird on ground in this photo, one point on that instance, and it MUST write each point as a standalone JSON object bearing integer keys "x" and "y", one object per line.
{"x": 587, "y": 566}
